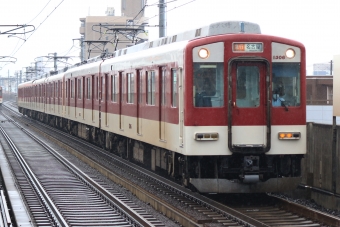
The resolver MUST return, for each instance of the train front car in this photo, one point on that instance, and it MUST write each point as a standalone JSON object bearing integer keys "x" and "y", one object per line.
{"x": 245, "y": 111}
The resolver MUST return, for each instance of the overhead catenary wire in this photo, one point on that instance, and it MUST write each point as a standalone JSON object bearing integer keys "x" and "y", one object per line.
{"x": 38, "y": 26}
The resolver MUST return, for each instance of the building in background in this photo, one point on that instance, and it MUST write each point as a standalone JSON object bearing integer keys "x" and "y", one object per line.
{"x": 133, "y": 8}
{"x": 320, "y": 99}
{"x": 322, "y": 69}
{"x": 102, "y": 35}
{"x": 319, "y": 90}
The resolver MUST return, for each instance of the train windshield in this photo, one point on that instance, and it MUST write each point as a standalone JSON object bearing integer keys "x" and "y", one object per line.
{"x": 286, "y": 84}
{"x": 208, "y": 85}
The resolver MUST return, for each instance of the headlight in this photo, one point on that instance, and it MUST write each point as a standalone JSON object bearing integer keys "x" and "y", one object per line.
{"x": 290, "y": 53}
{"x": 203, "y": 53}
{"x": 206, "y": 136}
{"x": 289, "y": 135}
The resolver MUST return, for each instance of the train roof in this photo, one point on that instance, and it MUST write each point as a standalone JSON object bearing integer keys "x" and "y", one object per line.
{"x": 218, "y": 28}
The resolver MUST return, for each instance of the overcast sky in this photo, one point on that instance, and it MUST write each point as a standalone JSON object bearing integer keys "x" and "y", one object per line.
{"x": 315, "y": 23}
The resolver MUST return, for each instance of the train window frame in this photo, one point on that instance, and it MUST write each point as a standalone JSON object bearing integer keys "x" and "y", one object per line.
{"x": 79, "y": 89}
{"x": 66, "y": 89}
{"x": 140, "y": 84}
{"x": 97, "y": 87}
{"x": 88, "y": 86}
{"x": 72, "y": 89}
{"x": 163, "y": 84}
{"x": 130, "y": 82}
{"x": 151, "y": 87}
{"x": 103, "y": 87}
{"x": 112, "y": 87}
{"x": 174, "y": 88}
{"x": 116, "y": 88}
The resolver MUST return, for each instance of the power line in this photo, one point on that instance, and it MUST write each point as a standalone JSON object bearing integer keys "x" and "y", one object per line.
{"x": 38, "y": 26}
{"x": 39, "y": 12}
{"x": 157, "y": 15}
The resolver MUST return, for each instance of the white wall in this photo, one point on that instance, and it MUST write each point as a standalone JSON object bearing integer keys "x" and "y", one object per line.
{"x": 321, "y": 114}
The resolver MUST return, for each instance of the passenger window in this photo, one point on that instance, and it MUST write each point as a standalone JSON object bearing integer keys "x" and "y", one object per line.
{"x": 174, "y": 88}
{"x": 88, "y": 88}
{"x": 79, "y": 89}
{"x": 130, "y": 87}
{"x": 151, "y": 87}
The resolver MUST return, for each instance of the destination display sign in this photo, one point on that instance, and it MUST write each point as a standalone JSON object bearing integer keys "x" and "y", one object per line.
{"x": 247, "y": 47}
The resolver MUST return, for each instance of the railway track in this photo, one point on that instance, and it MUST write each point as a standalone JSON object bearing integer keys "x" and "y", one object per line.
{"x": 176, "y": 202}
{"x": 67, "y": 196}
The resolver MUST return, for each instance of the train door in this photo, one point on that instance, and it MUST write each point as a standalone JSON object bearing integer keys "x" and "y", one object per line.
{"x": 139, "y": 100}
{"x": 162, "y": 104}
{"x": 248, "y": 114}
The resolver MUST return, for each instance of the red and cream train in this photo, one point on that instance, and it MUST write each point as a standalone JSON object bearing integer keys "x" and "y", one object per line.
{"x": 221, "y": 108}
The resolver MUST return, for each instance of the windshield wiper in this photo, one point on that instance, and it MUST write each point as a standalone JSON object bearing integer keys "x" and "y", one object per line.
{"x": 283, "y": 103}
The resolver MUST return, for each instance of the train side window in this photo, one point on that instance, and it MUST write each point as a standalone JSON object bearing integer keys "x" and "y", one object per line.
{"x": 140, "y": 91}
{"x": 72, "y": 89}
{"x": 151, "y": 87}
{"x": 115, "y": 88}
{"x": 79, "y": 89}
{"x": 163, "y": 87}
{"x": 66, "y": 85}
{"x": 103, "y": 86}
{"x": 112, "y": 87}
{"x": 58, "y": 89}
{"x": 88, "y": 85}
{"x": 208, "y": 85}
{"x": 174, "y": 91}
{"x": 54, "y": 89}
{"x": 97, "y": 87}
{"x": 130, "y": 87}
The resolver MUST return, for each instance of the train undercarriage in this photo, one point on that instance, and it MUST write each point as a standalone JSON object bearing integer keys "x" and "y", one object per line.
{"x": 238, "y": 173}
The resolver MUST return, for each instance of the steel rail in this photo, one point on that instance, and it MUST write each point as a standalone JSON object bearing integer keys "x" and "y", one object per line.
{"x": 229, "y": 214}
{"x": 129, "y": 214}
{"x": 52, "y": 209}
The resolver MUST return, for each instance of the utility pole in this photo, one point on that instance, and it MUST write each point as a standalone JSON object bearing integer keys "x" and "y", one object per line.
{"x": 162, "y": 18}
{"x": 331, "y": 70}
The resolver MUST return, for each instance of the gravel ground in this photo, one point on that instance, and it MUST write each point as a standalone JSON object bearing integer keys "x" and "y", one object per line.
{"x": 309, "y": 203}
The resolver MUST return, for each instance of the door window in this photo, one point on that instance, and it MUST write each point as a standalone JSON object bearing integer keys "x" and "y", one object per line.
{"x": 247, "y": 87}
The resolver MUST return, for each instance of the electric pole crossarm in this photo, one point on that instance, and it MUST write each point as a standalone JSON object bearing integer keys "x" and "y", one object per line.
{"x": 14, "y": 31}
{"x": 8, "y": 59}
